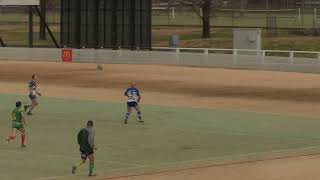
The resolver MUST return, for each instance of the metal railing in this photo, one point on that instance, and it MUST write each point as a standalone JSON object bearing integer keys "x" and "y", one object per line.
{"x": 234, "y": 51}
{"x": 260, "y": 54}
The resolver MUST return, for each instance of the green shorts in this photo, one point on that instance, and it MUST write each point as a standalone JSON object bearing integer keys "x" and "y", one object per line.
{"x": 17, "y": 126}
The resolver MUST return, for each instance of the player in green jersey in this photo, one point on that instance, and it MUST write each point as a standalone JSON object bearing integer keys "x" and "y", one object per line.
{"x": 18, "y": 123}
{"x": 87, "y": 147}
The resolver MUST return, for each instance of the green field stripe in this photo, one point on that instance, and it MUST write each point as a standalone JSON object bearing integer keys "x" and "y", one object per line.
{"x": 171, "y": 136}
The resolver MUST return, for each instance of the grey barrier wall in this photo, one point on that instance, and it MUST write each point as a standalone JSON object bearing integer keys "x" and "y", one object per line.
{"x": 220, "y": 58}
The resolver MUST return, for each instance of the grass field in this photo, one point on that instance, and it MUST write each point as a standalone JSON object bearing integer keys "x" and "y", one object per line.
{"x": 249, "y": 20}
{"x": 171, "y": 137}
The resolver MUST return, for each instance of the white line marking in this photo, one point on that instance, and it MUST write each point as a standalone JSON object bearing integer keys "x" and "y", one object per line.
{"x": 70, "y": 157}
{"x": 58, "y": 177}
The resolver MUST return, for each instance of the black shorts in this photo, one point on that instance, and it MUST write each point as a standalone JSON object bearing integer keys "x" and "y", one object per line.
{"x": 86, "y": 154}
{"x": 132, "y": 104}
{"x": 32, "y": 97}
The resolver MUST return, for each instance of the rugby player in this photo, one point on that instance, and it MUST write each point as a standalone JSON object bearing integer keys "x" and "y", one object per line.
{"x": 134, "y": 98}
{"x": 18, "y": 123}
{"x": 33, "y": 93}
{"x": 87, "y": 147}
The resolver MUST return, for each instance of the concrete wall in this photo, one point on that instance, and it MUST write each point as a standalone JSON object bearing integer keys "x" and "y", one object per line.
{"x": 163, "y": 56}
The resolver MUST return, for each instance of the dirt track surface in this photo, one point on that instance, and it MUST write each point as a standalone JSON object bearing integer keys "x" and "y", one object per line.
{"x": 263, "y": 91}
{"x": 285, "y": 169}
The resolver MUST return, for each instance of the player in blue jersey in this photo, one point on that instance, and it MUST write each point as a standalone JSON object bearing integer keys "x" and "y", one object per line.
{"x": 134, "y": 98}
{"x": 33, "y": 93}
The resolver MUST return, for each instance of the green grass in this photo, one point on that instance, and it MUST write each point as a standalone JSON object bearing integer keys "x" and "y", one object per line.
{"x": 249, "y": 20}
{"x": 21, "y": 38}
{"x": 170, "y": 137}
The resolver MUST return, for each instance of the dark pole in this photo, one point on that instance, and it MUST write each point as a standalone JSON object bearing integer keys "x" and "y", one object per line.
{"x": 104, "y": 23}
{"x": 43, "y": 10}
{"x": 85, "y": 43}
{"x": 114, "y": 25}
{"x": 96, "y": 24}
{"x": 61, "y": 22}
{"x": 150, "y": 25}
{"x": 30, "y": 36}
{"x": 122, "y": 24}
{"x": 132, "y": 25}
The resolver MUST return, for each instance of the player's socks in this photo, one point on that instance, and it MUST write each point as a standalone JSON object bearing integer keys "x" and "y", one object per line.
{"x": 11, "y": 137}
{"x": 23, "y": 139}
{"x": 26, "y": 107}
{"x": 30, "y": 110}
{"x": 127, "y": 115}
{"x": 80, "y": 163}
{"x": 139, "y": 115}
{"x": 91, "y": 167}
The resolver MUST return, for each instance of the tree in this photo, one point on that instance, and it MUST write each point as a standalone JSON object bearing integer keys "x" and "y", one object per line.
{"x": 204, "y": 9}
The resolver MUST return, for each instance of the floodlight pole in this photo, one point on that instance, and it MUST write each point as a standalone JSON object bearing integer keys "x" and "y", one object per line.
{"x": 30, "y": 36}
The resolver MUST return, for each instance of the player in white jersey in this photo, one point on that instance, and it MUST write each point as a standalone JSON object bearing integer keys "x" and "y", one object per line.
{"x": 33, "y": 93}
{"x": 134, "y": 98}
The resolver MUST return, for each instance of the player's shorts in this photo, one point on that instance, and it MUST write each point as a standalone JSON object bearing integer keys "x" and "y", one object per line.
{"x": 86, "y": 154}
{"x": 32, "y": 96}
{"x": 17, "y": 126}
{"x": 132, "y": 104}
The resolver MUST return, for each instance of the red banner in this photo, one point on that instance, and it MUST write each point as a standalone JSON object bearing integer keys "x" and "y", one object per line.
{"x": 66, "y": 55}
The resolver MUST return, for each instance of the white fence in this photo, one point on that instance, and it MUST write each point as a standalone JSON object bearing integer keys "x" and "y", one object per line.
{"x": 299, "y": 61}
{"x": 260, "y": 56}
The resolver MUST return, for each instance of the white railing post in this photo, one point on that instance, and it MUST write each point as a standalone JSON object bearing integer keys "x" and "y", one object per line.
{"x": 206, "y": 53}
{"x": 173, "y": 13}
{"x": 291, "y": 56}
{"x": 178, "y": 56}
{"x": 263, "y": 56}
{"x": 235, "y": 54}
